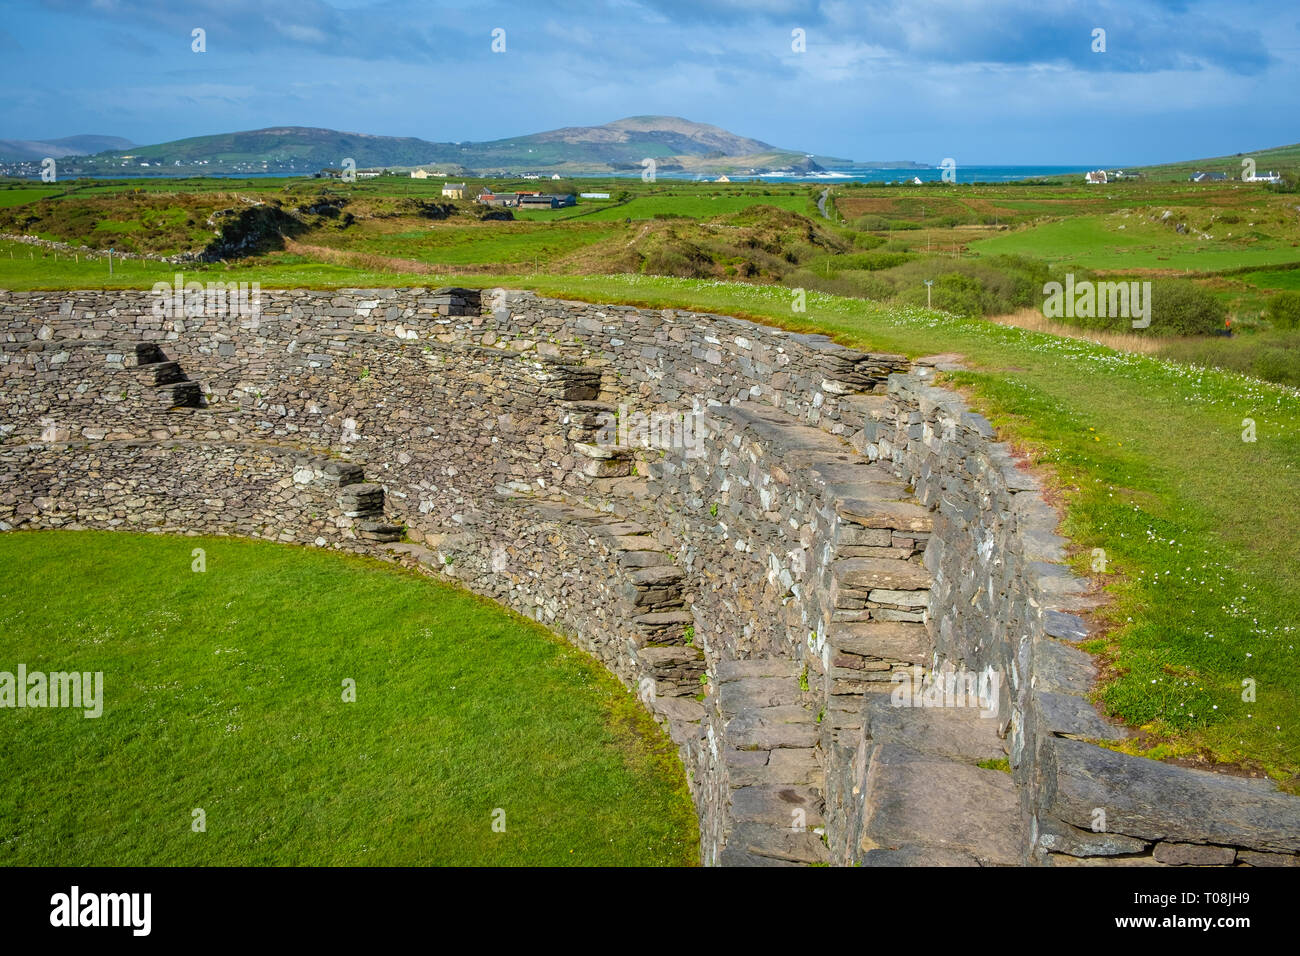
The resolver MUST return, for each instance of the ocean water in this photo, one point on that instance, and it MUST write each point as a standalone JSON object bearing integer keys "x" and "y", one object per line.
{"x": 843, "y": 174}
{"x": 876, "y": 174}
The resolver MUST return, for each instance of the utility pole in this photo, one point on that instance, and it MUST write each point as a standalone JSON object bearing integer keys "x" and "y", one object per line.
{"x": 928, "y": 283}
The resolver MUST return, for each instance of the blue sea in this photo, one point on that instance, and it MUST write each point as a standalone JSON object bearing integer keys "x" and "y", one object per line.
{"x": 842, "y": 174}
{"x": 877, "y": 174}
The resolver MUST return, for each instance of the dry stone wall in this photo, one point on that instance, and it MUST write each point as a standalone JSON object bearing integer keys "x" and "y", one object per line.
{"x": 812, "y": 531}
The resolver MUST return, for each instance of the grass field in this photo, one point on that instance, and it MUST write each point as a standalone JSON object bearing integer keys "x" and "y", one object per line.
{"x": 1132, "y": 243}
{"x": 223, "y": 692}
{"x": 488, "y": 243}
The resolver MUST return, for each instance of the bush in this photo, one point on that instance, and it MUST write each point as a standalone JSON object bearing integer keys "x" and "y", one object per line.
{"x": 1180, "y": 307}
{"x": 1283, "y": 310}
{"x": 1278, "y": 365}
{"x": 951, "y": 292}
{"x": 870, "y": 261}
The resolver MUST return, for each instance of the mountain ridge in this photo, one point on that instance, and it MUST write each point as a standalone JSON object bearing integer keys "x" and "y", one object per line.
{"x": 622, "y": 145}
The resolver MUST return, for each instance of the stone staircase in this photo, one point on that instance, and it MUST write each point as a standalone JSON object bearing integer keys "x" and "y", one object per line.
{"x": 358, "y": 499}
{"x": 171, "y": 386}
{"x": 768, "y": 746}
{"x": 926, "y": 801}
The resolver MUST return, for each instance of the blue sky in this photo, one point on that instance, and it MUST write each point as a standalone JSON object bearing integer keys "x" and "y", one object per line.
{"x": 983, "y": 81}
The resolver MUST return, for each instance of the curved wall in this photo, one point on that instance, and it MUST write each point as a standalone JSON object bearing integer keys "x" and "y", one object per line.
{"x": 818, "y": 529}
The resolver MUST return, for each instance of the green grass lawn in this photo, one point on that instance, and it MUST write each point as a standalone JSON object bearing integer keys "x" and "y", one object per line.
{"x": 1281, "y": 279}
{"x": 1098, "y": 242}
{"x": 223, "y": 691}
{"x": 484, "y": 244}
{"x": 14, "y": 195}
{"x": 696, "y": 206}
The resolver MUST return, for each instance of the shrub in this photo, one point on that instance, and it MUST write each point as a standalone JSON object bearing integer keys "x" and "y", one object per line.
{"x": 951, "y": 292}
{"x": 1278, "y": 365}
{"x": 865, "y": 240}
{"x": 1180, "y": 307}
{"x": 1283, "y": 310}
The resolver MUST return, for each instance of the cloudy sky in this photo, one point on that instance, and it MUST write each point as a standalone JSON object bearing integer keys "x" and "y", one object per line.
{"x": 983, "y": 81}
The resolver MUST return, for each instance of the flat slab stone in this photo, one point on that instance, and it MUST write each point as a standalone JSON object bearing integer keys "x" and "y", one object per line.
{"x": 866, "y": 574}
{"x": 776, "y": 805}
{"x": 919, "y": 799}
{"x": 653, "y": 656}
{"x": 660, "y": 576}
{"x": 1072, "y": 716}
{"x": 779, "y": 843}
{"x": 898, "y": 515}
{"x": 1060, "y": 668}
{"x": 959, "y": 733}
{"x": 1158, "y": 801}
{"x": 782, "y": 766}
{"x": 1060, "y": 837}
{"x": 756, "y": 692}
{"x": 888, "y": 640}
{"x": 772, "y": 728}
{"x": 756, "y": 667}
{"x": 679, "y": 709}
{"x": 1192, "y": 854}
{"x": 1067, "y": 627}
{"x": 918, "y": 856}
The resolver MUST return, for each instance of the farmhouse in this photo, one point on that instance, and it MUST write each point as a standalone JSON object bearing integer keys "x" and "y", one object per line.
{"x": 453, "y": 190}
{"x": 546, "y": 201}
{"x": 1200, "y": 177}
{"x": 419, "y": 174}
{"x": 489, "y": 198}
{"x": 1096, "y": 178}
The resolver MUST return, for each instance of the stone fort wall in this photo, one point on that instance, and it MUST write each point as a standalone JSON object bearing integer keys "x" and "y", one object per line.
{"x": 821, "y": 529}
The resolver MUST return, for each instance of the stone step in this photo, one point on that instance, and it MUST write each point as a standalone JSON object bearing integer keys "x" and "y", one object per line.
{"x": 165, "y": 373}
{"x": 736, "y": 696}
{"x": 916, "y": 801}
{"x": 895, "y": 515}
{"x": 778, "y": 805}
{"x": 148, "y": 353}
{"x": 342, "y": 472}
{"x": 362, "y": 500}
{"x": 760, "y": 844}
{"x": 380, "y": 531}
{"x": 658, "y": 576}
{"x": 787, "y": 765}
{"x": 180, "y": 395}
{"x": 958, "y": 733}
{"x": 882, "y": 640}
{"x": 772, "y": 728}
{"x": 869, "y": 574}
{"x": 757, "y": 667}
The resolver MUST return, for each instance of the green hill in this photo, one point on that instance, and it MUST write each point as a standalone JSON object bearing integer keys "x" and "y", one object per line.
{"x": 675, "y": 144}
{"x": 1278, "y": 158}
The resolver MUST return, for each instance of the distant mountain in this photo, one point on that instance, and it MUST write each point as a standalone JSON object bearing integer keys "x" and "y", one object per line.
{"x": 28, "y": 149}
{"x": 299, "y": 148}
{"x": 675, "y": 144}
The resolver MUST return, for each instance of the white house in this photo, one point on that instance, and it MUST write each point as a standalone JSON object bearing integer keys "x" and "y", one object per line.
{"x": 1096, "y": 178}
{"x": 453, "y": 190}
